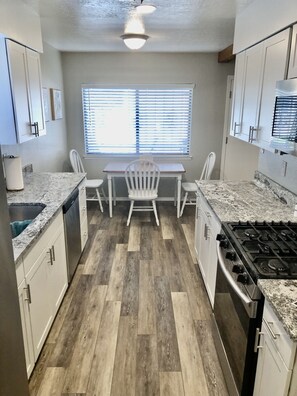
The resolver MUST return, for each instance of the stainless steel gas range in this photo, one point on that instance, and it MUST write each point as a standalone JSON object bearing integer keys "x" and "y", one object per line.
{"x": 247, "y": 251}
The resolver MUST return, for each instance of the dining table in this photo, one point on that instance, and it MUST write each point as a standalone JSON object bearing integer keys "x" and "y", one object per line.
{"x": 167, "y": 170}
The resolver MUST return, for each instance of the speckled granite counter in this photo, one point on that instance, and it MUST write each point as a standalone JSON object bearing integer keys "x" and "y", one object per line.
{"x": 51, "y": 189}
{"x": 282, "y": 294}
{"x": 260, "y": 199}
{"x": 245, "y": 200}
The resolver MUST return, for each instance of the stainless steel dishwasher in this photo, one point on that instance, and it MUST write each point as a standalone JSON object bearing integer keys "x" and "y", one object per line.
{"x": 72, "y": 232}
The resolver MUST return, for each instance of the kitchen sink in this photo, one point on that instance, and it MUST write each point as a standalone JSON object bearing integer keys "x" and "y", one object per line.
{"x": 21, "y": 215}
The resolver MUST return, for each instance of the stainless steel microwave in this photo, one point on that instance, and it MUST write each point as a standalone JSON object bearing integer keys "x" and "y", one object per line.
{"x": 284, "y": 126}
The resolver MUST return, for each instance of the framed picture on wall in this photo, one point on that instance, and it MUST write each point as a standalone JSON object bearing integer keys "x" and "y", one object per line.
{"x": 56, "y": 103}
{"x": 46, "y": 104}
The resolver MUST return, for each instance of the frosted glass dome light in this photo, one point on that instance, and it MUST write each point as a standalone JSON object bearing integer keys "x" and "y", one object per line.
{"x": 134, "y": 41}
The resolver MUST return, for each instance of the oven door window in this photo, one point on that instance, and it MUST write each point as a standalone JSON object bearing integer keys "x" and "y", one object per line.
{"x": 235, "y": 328}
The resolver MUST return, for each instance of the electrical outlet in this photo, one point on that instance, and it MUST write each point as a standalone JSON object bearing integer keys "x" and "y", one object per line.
{"x": 284, "y": 168}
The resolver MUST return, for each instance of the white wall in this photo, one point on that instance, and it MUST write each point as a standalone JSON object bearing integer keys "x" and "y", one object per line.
{"x": 203, "y": 70}
{"x": 272, "y": 165}
{"x": 20, "y": 22}
{"x": 47, "y": 153}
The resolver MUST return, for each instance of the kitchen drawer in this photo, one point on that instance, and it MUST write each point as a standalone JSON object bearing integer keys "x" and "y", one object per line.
{"x": 42, "y": 243}
{"x": 84, "y": 233}
{"x": 20, "y": 274}
{"x": 285, "y": 346}
{"x": 213, "y": 222}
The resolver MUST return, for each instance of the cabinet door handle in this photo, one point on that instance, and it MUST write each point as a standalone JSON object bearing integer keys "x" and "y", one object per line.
{"x": 53, "y": 253}
{"x": 273, "y": 334}
{"x": 236, "y": 124}
{"x": 51, "y": 256}
{"x": 251, "y": 134}
{"x": 28, "y": 293}
{"x": 205, "y": 232}
{"x": 36, "y": 128}
{"x": 257, "y": 340}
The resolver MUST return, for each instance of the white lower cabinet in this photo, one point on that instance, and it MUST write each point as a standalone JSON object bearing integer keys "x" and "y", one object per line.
{"x": 40, "y": 307}
{"x": 207, "y": 227}
{"x": 43, "y": 288}
{"x": 26, "y": 325}
{"x": 275, "y": 359}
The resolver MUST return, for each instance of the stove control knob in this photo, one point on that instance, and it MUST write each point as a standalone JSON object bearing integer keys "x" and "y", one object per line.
{"x": 238, "y": 269}
{"x": 243, "y": 278}
{"x": 220, "y": 237}
{"x": 224, "y": 243}
{"x": 231, "y": 256}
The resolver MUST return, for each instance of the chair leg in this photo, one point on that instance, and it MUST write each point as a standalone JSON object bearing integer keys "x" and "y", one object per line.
{"x": 130, "y": 212}
{"x": 184, "y": 204}
{"x": 99, "y": 200}
{"x": 155, "y": 211}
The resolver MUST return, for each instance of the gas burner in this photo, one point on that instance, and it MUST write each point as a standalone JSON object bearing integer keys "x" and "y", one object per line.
{"x": 251, "y": 233}
{"x": 267, "y": 249}
{"x": 276, "y": 265}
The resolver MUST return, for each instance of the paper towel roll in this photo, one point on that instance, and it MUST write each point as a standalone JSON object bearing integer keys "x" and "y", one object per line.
{"x": 14, "y": 173}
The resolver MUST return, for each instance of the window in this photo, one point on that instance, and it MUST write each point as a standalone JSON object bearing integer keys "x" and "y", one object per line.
{"x": 137, "y": 120}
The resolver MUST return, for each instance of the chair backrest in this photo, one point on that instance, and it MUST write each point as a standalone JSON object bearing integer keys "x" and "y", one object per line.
{"x": 75, "y": 161}
{"x": 208, "y": 166}
{"x": 142, "y": 175}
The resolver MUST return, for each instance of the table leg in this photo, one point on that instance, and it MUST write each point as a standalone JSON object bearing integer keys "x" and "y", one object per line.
{"x": 179, "y": 178}
{"x": 109, "y": 179}
{"x": 114, "y": 192}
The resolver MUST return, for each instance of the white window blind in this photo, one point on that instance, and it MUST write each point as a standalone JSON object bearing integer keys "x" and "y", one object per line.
{"x": 137, "y": 120}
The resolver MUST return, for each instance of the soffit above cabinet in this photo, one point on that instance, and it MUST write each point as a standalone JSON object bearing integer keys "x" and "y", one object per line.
{"x": 261, "y": 19}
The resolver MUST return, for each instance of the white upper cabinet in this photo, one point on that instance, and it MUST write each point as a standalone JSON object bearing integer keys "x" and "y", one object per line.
{"x": 275, "y": 61}
{"x": 256, "y": 72}
{"x": 292, "y": 73}
{"x": 235, "y": 124}
{"x": 26, "y": 86}
{"x": 251, "y": 95}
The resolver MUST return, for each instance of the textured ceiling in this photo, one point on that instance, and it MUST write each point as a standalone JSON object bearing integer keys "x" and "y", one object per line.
{"x": 176, "y": 25}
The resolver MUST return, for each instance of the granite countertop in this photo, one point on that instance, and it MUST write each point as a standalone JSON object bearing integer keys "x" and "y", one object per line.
{"x": 282, "y": 296}
{"x": 260, "y": 199}
{"x": 50, "y": 189}
{"x": 245, "y": 201}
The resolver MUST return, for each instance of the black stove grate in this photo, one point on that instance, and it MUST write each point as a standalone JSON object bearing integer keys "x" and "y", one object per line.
{"x": 268, "y": 249}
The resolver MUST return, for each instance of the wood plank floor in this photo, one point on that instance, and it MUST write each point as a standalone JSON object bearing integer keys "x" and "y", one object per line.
{"x": 136, "y": 318}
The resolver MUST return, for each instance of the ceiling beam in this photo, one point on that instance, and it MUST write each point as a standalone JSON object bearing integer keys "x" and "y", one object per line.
{"x": 226, "y": 55}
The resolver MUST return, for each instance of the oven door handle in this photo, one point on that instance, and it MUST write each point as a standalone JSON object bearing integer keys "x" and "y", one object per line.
{"x": 230, "y": 280}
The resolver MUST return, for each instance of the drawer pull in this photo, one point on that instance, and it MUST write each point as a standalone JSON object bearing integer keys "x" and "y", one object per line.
{"x": 273, "y": 334}
{"x": 28, "y": 293}
{"x": 53, "y": 253}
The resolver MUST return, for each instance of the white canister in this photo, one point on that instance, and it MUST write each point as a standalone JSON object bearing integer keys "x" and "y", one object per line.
{"x": 13, "y": 173}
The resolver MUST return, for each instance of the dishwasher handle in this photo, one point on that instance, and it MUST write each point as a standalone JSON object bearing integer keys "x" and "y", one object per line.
{"x": 70, "y": 201}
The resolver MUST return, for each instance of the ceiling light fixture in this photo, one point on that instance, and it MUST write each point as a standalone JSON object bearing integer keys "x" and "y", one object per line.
{"x": 134, "y": 41}
{"x": 145, "y": 8}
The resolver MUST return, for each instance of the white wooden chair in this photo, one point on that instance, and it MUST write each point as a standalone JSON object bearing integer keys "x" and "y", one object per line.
{"x": 191, "y": 188}
{"x": 142, "y": 178}
{"x": 91, "y": 184}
